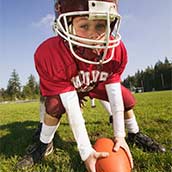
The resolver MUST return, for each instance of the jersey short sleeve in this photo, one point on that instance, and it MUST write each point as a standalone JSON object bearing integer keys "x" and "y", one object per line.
{"x": 55, "y": 67}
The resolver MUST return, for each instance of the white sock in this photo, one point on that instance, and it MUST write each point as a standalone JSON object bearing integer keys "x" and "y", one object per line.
{"x": 92, "y": 102}
{"x": 47, "y": 133}
{"x": 131, "y": 125}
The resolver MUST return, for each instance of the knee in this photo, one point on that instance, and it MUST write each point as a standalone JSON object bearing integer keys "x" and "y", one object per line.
{"x": 127, "y": 108}
{"x": 54, "y": 106}
{"x": 130, "y": 103}
{"x": 128, "y": 99}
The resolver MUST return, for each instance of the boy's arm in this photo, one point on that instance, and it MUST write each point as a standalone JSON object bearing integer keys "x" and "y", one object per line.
{"x": 116, "y": 102}
{"x": 71, "y": 103}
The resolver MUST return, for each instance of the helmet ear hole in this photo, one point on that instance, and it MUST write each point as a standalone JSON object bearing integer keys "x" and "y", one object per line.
{"x": 93, "y": 4}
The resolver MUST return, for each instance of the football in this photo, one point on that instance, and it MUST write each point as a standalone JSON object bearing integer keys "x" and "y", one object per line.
{"x": 115, "y": 162}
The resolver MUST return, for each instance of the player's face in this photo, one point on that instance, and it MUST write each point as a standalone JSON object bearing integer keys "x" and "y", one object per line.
{"x": 90, "y": 29}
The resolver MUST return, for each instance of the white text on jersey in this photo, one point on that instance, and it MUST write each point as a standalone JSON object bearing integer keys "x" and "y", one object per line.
{"x": 84, "y": 78}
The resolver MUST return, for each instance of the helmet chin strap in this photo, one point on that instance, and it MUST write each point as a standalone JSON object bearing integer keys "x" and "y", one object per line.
{"x": 100, "y": 62}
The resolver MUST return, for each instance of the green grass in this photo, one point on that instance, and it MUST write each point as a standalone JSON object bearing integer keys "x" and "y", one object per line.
{"x": 18, "y": 121}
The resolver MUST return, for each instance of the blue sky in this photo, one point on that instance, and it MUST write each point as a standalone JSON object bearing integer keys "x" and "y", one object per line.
{"x": 146, "y": 30}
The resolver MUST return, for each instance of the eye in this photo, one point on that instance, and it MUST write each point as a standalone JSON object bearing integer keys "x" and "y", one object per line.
{"x": 84, "y": 26}
{"x": 100, "y": 27}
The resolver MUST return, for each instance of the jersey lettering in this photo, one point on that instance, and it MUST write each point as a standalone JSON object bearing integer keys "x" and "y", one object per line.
{"x": 76, "y": 82}
{"x": 86, "y": 79}
{"x": 103, "y": 76}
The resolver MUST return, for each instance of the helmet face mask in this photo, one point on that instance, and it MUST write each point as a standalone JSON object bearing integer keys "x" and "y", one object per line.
{"x": 95, "y": 10}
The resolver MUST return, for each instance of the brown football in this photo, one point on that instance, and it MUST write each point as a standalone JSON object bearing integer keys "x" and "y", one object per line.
{"x": 115, "y": 162}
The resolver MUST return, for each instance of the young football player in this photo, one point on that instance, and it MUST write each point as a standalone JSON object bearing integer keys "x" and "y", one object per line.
{"x": 87, "y": 58}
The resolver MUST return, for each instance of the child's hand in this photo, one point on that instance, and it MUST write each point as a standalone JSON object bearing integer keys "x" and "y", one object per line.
{"x": 120, "y": 142}
{"x": 90, "y": 162}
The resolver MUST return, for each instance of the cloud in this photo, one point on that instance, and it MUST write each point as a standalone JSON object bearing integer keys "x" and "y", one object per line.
{"x": 46, "y": 21}
{"x": 127, "y": 18}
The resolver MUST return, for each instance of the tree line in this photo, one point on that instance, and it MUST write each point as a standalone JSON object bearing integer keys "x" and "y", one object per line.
{"x": 15, "y": 91}
{"x": 153, "y": 78}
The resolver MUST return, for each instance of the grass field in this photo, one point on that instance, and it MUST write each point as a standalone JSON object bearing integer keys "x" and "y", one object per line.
{"x": 18, "y": 121}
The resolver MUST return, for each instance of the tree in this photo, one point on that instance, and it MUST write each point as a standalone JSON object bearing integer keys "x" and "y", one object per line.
{"x": 14, "y": 86}
{"x": 163, "y": 75}
{"x": 130, "y": 82}
{"x": 166, "y": 76}
{"x": 2, "y": 94}
{"x": 31, "y": 89}
{"x": 148, "y": 79}
{"x": 158, "y": 77}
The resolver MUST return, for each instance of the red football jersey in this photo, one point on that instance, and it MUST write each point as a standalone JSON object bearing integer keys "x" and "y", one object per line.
{"x": 60, "y": 71}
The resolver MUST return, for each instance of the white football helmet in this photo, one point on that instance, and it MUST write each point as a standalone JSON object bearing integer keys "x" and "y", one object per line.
{"x": 65, "y": 10}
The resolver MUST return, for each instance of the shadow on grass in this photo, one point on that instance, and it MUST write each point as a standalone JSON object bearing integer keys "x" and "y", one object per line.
{"x": 15, "y": 137}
